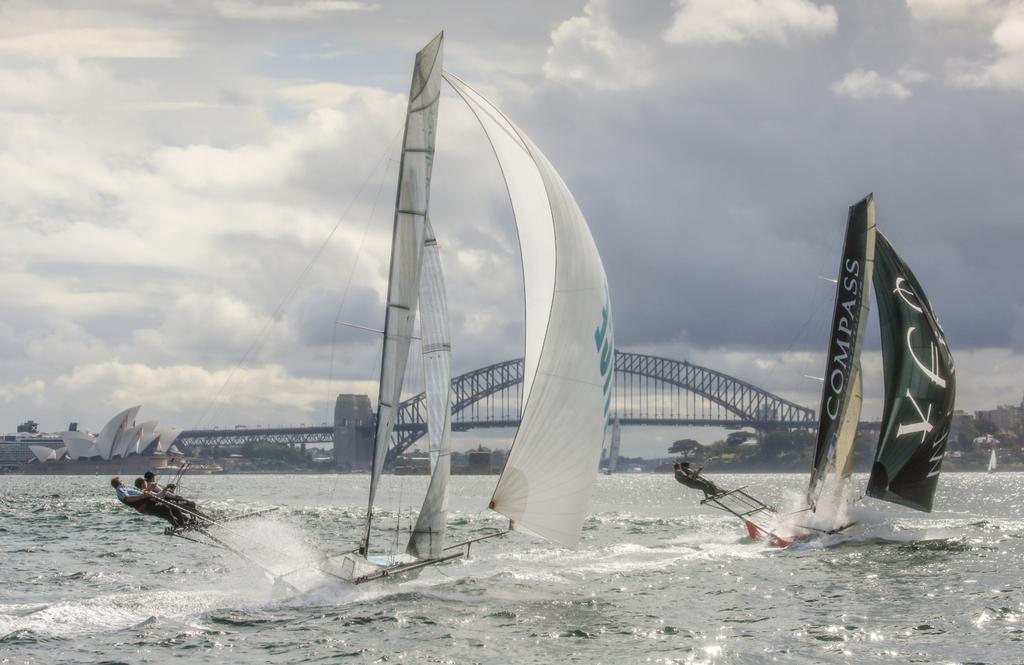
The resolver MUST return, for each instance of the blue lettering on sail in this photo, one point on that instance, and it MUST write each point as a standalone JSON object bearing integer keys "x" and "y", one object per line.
{"x": 605, "y": 346}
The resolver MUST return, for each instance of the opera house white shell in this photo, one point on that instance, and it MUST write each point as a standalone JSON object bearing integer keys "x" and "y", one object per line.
{"x": 119, "y": 438}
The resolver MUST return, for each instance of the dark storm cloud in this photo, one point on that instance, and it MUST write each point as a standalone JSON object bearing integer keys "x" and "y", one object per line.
{"x": 718, "y": 194}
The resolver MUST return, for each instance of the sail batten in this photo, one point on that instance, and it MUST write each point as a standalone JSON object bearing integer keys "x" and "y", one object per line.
{"x": 413, "y": 196}
{"x": 545, "y": 486}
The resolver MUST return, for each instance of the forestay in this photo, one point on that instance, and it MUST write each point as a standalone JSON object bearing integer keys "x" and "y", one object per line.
{"x": 406, "y": 249}
{"x": 427, "y": 539}
{"x": 548, "y": 477}
{"x": 920, "y": 387}
{"x": 840, "y": 409}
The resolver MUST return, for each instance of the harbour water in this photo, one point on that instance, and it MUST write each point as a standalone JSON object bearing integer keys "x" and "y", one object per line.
{"x": 657, "y": 579}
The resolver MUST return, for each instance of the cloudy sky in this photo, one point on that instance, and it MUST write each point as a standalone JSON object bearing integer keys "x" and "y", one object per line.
{"x": 187, "y": 185}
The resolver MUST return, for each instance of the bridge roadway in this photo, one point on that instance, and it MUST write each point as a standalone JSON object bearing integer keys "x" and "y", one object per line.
{"x": 649, "y": 390}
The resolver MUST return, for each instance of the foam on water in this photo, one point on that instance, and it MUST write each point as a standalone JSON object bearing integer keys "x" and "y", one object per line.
{"x": 657, "y": 578}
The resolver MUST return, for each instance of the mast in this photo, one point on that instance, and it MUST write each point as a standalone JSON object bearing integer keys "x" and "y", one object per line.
{"x": 427, "y": 539}
{"x": 548, "y": 478}
{"x": 920, "y": 387}
{"x": 613, "y": 449}
{"x": 407, "y": 244}
{"x": 839, "y": 412}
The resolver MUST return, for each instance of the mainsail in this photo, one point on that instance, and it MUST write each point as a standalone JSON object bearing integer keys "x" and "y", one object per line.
{"x": 920, "y": 387}
{"x": 406, "y": 250}
{"x": 427, "y": 539}
{"x": 548, "y": 477}
{"x": 841, "y": 395}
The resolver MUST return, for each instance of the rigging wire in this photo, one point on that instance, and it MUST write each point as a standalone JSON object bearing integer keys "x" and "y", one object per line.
{"x": 293, "y": 290}
{"x": 348, "y": 284}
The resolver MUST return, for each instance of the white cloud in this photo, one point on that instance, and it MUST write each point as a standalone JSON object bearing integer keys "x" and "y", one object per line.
{"x": 1006, "y": 68}
{"x": 186, "y": 388}
{"x": 741, "y": 21}
{"x": 953, "y": 11}
{"x": 94, "y": 43}
{"x": 339, "y": 95}
{"x": 30, "y": 390}
{"x": 587, "y": 49}
{"x": 255, "y": 10}
{"x": 866, "y": 84}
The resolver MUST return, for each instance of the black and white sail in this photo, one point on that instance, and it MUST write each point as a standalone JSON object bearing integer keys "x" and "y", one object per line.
{"x": 841, "y": 395}
{"x": 920, "y": 387}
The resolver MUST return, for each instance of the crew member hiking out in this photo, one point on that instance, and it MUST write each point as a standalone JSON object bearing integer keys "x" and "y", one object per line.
{"x": 142, "y": 501}
{"x": 692, "y": 478}
{"x": 167, "y": 493}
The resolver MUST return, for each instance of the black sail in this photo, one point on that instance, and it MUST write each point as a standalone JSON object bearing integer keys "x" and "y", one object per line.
{"x": 848, "y": 320}
{"x": 920, "y": 387}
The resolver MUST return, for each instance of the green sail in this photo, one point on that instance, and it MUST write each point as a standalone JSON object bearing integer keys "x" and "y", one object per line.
{"x": 920, "y": 387}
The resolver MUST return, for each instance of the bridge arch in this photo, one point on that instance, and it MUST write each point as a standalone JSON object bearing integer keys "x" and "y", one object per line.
{"x": 744, "y": 404}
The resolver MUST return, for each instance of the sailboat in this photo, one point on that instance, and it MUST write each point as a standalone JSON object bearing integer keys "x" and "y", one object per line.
{"x": 919, "y": 390}
{"x": 992, "y": 461}
{"x": 545, "y": 486}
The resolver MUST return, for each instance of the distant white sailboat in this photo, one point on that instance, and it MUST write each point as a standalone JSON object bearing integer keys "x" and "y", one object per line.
{"x": 548, "y": 477}
{"x": 992, "y": 461}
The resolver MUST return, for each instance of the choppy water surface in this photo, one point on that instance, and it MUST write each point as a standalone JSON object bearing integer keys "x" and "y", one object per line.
{"x": 657, "y": 579}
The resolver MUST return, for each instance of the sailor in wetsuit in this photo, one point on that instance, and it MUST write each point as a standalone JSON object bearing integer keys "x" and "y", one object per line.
{"x": 692, "y": 478}
{"x": 141, "y": 501}
{"x": 167, "y": 494}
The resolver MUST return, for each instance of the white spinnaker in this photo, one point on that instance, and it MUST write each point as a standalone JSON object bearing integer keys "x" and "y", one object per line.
{"x": 548, "y": 478}
{"x": 427, "y": 539}
{"x": 406, "y": 249}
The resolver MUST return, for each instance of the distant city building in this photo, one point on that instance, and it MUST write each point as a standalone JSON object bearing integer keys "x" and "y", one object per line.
{"x": 353, "y": 433}
{"x": 29, "y": 427}
{"x": 479, "y": 460}
{"x": 1005, "y": 417}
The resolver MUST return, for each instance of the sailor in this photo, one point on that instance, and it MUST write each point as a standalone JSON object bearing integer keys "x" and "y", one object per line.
{"x": 141, "y": 501}
{"x": 167, "y": 494}
{"x": 692, "y": 478}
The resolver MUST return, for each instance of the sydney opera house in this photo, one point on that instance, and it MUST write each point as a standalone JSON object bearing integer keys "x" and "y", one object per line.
{"x": 119, "y": 439}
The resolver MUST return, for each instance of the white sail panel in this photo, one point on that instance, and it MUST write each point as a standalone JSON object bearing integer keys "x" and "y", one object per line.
{"x": 406, "y": 249}
{"x": 848, "y": 428}
{"x": 529, "y": 202}
{"x": 427, "y": 539}
{"x": 546, "y": 485}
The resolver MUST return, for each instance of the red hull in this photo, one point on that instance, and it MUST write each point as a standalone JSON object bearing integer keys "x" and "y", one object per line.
{"x": 759, "y": 534}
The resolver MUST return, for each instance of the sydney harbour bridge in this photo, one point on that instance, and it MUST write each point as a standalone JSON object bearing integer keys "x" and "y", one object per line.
{"x": 649, "y": 390}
